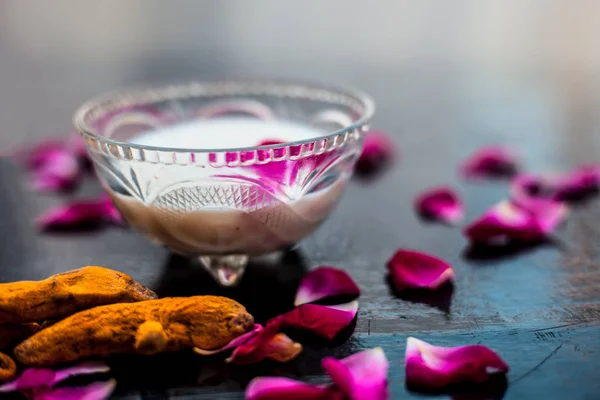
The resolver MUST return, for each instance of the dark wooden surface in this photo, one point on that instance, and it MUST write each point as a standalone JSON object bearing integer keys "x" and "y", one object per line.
{"x": 537, "y": 306}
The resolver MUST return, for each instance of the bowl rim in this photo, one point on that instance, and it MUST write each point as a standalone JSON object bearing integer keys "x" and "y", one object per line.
{"x": 85, "y": 130}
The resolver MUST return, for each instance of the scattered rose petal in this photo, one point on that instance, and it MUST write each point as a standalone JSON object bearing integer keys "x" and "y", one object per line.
{"x": 578, "y": 182}
{"x": 42, "y": 377}
{"x": 362, "y": 376}
{"x": 490, "y": 161}
{"x": 324, "y": 282}
{"x": 412, "y": 269}
{"x": 53, "y": 166}
{"x": 434, "y": 367}
{"x": 93, "y": 391}
{"x": 281, "y": 348}
{"x": 30, "y": 379}
{"x": 528, "y": 190}
{"x": 531, "y": 195}
{"x": 80, "y": 213}
{"x": 533, "y": 191}
{"x": 277, "y": 388}
{"x": 266, "y": 343}
{"x": 441, "y": 203}
{"x": 378, "y": 151}
{"x": 326, "y": 321}
{"x": 507, "y": 222}
{"x": 238, "y": 341}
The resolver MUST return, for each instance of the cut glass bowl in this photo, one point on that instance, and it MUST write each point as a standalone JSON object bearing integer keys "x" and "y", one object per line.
{"x": 227, "y": 203}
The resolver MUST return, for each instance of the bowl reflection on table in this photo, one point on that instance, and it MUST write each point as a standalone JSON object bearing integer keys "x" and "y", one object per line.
{"x": 221, "y": 171}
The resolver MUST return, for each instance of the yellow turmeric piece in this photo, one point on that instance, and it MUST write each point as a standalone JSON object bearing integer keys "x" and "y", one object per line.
{"x": 64, "y": 294}
{"x": 8, "y": 368}
{"x": 146, "y": 327}
{"x": 12, "y": 334}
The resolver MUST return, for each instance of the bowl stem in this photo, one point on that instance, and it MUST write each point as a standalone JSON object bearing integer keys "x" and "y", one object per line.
{"x": 227, "y": 270}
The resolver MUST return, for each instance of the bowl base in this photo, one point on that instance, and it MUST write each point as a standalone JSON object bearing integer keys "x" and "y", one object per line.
{"x": 226, "y": 270}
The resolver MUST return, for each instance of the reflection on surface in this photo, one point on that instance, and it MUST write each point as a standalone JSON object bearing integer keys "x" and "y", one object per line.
{"x": 266, "y": 290}
{"x": 493, "y": 389}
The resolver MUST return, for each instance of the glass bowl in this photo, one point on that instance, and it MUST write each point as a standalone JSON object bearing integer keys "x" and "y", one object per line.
{"x": 235, "y": 196}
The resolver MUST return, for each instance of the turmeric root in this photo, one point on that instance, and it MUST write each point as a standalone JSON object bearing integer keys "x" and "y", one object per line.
{"x": 8, "y": 368}
{"x": 147, "y": 327}
{"x": 64, "y": 294}
{"x": 12, "y": 334}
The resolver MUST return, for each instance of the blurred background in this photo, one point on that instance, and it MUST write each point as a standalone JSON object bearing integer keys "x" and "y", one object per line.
{"x": 511, "y": 70}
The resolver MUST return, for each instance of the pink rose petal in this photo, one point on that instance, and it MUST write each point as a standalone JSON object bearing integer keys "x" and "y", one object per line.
{"x": 30, "y": 379}
{"x": 507, "y": 222}
{"x": 490, "y": 161}
{"x": 324, "y": 282}
{"x": 325, "y": 321}
{"x": 37, "y": 156}
{"x": 35, "y": 378}
{"x": 412, "y": 269}
{"x": 434, "y": 367}
{"x": 527, "y": 190}
{"x": 281, "y": 348}
{"x": 238, "y": 341}
{"x": 93, "y": 391}
{"x": 441, "y": 203}
{"x": 80, "y": 213}
{"x": 362, "y": 376}
{"x": 252, "y": 350}
{"x": 578, "y": 182}
{"x": 530, "y": 191}
{"x": 277, "y": 388}
{"x": 378, "y": 151}
{"x": 54, "y": 167}
{"x": 83, "y": 368}
{"x": 266, "y": 343}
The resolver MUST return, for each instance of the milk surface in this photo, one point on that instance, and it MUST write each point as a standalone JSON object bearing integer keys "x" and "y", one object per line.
{"x": 225, "y": 133}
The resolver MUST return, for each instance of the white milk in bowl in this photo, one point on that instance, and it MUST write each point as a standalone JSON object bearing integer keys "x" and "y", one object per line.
{"x": 249, "y": 210}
